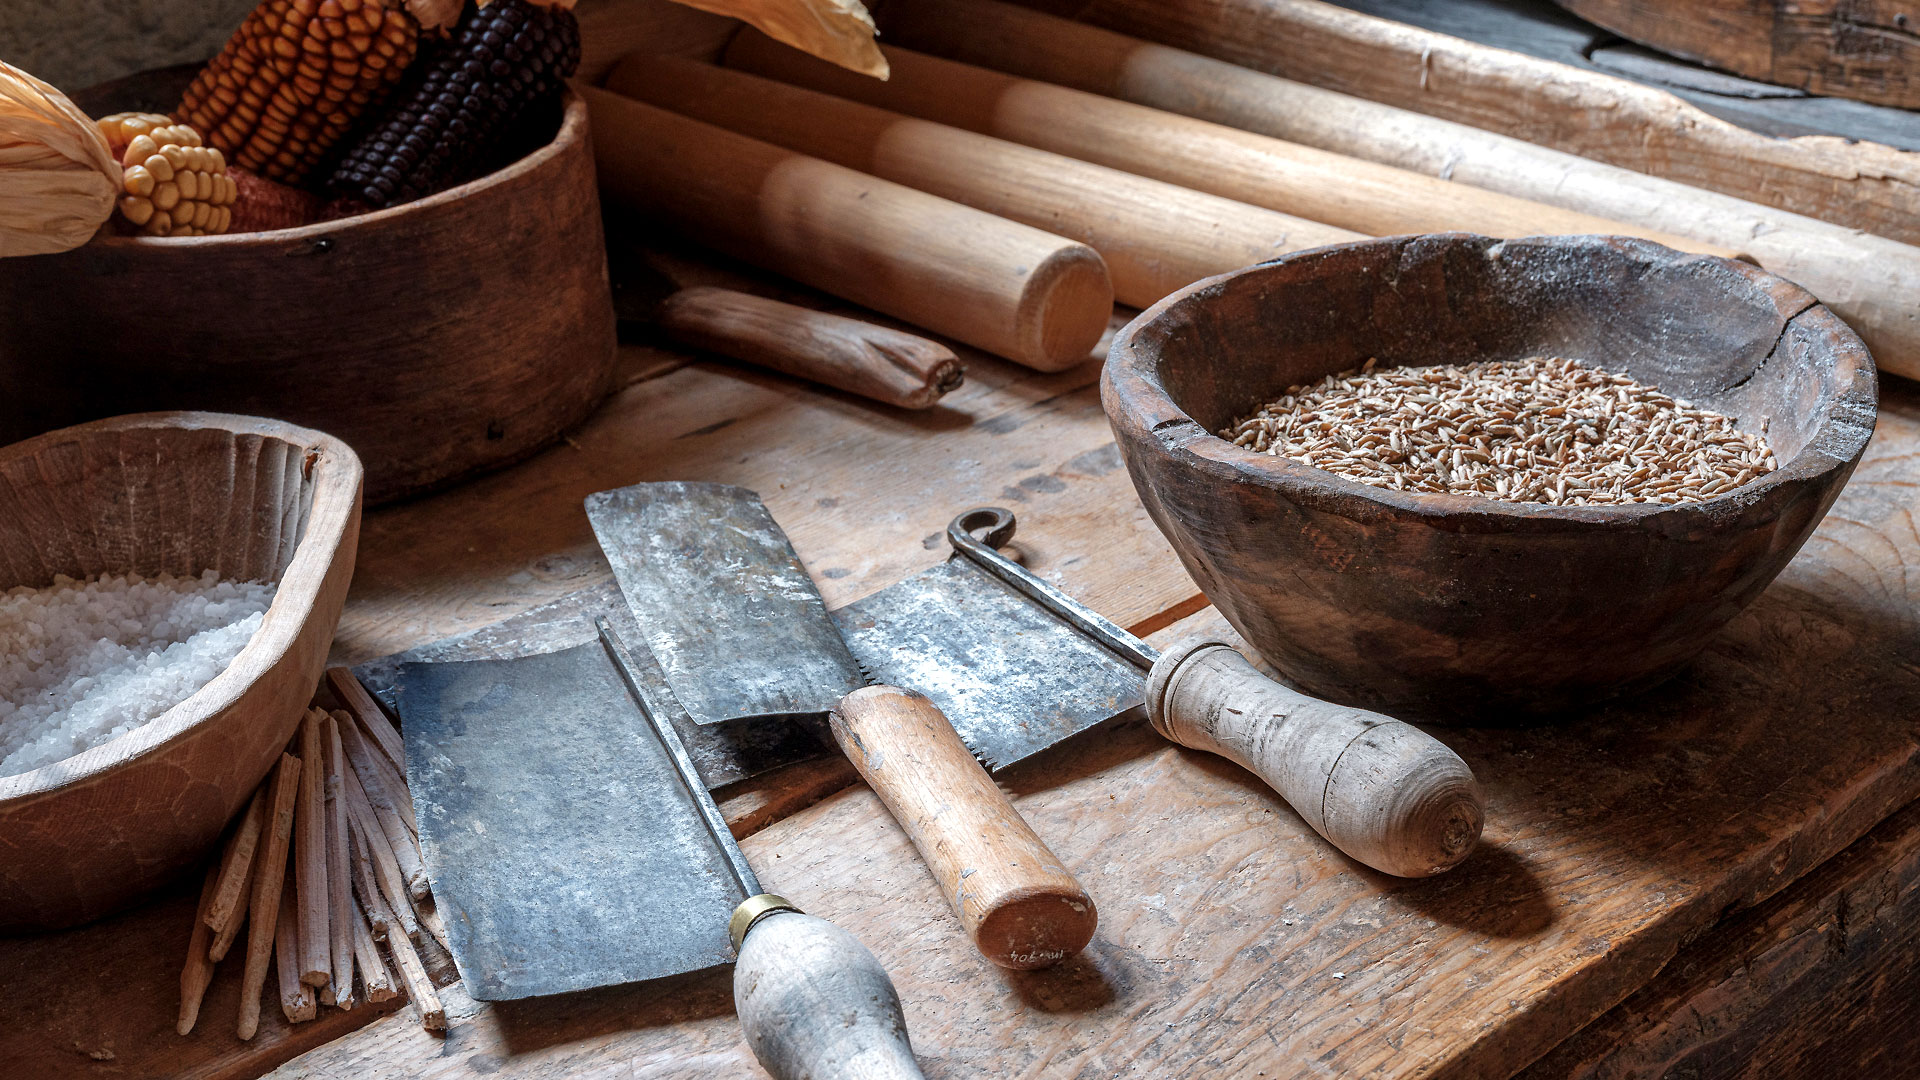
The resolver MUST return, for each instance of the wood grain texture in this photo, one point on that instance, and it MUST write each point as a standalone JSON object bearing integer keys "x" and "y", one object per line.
{"x": 1379, "y": 789}
{"x": 1155, "y": 237}
{"x": 1224, "y": 918}
{"x": 1347, "y": 192}
{"x": 1864, "y": 185}
{"x": 1841, "y": 48}
{"x": 179, "y": 493}
{"x": 1021, "y": 907}
{"x": 876, "y": 362}
{"x": 1025, "y": 294}
{"x": 1357, "y": 593}
{"x": 1865, "y": 279}
{"x": 814, "y": 1003}
{"x": 413, "y": 335}
{"x": 1822, "y": 980}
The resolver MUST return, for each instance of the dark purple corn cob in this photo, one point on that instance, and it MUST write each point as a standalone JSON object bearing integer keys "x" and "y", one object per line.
{"x": 459, "y": 100}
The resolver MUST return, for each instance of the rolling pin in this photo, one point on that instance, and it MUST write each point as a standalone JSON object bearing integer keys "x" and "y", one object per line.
{"x": 1021, "y": 907}
{"x": 1379, "y": 200}
{"x": 1868, "y": 280}
{"x": 1008, "y": 288}
{"x": 877, "y": 362}
{"x": 1156, "y": 237}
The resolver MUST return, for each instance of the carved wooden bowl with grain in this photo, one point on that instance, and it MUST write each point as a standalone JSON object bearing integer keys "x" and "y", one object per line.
{"x": 1452, "y": 607}
{"x": 438, "y": 338}
{"x": 182, "y": 493}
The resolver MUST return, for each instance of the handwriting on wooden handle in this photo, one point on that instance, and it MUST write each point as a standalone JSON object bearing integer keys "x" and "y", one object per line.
{"x": 1017, "y": 902}
{"x": 1380, "y": 790}
{"x": 813, "y": 1002}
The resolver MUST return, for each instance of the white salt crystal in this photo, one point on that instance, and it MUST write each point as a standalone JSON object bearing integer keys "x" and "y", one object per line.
{"x": 84, "y": 662}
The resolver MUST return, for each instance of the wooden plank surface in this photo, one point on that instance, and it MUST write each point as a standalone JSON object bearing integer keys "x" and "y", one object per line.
{"x": 1610, "y": 844}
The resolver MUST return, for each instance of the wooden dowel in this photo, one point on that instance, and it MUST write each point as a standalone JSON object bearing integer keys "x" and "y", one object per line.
{"x": 386, "y": 871}
{"x": 297, "y": 998}
{"x": 1154, "y": 236}
{"x": 1319, "y": 185}
{"x": 227, "y": 933}
{"x": 429, "y": 915}
{"x": 375, "y": 979}
{"x": 365, "y": 887}
{"x": 1010, "y": 289}
{"x": 1869, "y": 281}
{"x": 877, "y": 362}
{"x": 339, "y": 884}
{"x": 198, "y": 970}
{"x": 373, "y": 720}
{"x": 385, "y": 787}
{"x": 400, "y": 844}
{"x": 420, "y": 989}
{"x": 269, "y": 879}
{"x": 310, "y": 854}
{"x": 236, "y": 864}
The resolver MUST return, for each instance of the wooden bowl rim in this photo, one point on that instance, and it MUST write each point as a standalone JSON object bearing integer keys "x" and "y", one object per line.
{"x": 335, "y": 495}
{"x": 1833, "y": 446}
{"x": 571, "y": 137}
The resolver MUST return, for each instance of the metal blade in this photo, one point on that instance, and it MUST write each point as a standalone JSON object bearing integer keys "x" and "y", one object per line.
{"x": 563, "y": 849}
{"x": 736, "y": 624}
{"x": 1011, "y": 677}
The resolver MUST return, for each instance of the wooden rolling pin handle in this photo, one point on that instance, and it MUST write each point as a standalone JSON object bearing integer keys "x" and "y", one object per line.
{"x": 814, "y": 1003}
{"x": 1020, "y": 906}
{"x": 873, "y": 361}
{"x": 1383, "y": 791}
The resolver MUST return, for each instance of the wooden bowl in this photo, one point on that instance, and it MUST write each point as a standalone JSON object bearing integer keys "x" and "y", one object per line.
{"x": 182, "y": 493}
{"x": 1446, "y": 607}
{"x": 438, "y": 339}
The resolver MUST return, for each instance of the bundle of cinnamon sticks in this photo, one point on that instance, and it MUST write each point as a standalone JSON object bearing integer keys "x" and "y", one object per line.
{"x": 322, "y": 868}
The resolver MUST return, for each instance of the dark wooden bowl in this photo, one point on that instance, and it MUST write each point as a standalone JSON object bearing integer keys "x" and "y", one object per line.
{"x": 438, "y": 339}
{"x": 1445, "y": 607}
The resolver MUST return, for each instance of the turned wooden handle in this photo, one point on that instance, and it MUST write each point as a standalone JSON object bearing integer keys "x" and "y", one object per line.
{"x": 1011, "y": 289}
{"x": 873, "y": 361}
{"x": 1020, "y": 906}
{"x": 1380, "y": 790}
{"x": 814, "y": 1003}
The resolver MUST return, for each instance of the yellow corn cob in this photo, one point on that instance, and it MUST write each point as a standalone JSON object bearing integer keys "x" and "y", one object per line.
{"x": 294, "y": 77}
{"x": 173, "y": 185}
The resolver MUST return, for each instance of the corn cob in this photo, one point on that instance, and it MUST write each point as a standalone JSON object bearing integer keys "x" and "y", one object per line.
{"x": 460, "y": 101}
{"x": 266, "y": 204}
{"x": 172, "y": 185}
{"x": 294, "y": 77}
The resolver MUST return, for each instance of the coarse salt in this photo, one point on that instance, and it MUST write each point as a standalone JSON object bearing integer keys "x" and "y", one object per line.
{"x": 82, "y": 662}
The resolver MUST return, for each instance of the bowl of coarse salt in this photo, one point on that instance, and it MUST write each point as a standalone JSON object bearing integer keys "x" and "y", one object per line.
{"x": 169, "y": 588}
{"x": 1457, "y": 478}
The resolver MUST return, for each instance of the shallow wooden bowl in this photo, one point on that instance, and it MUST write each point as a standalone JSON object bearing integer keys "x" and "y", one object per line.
{"x": 438, "y": 339}
{"x": 1453, "y": 607}
{"x": 182, "y": 493}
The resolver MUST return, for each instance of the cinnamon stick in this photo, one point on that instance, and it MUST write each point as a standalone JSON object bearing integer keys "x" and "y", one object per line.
{"x": 269, "y": 879}
{"x": 198, "y": 971}
{"x": 236, "y": 861}
{"x": 296, "y": 997}
{"x": 375, "y": 978}
{"x": 310, "y": 855}
{"x": 339, "y": 887}
{"x": 373, "y": 719}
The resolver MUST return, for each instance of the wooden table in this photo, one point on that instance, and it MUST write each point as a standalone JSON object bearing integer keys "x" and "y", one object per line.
{"x": 1715, "y": 880}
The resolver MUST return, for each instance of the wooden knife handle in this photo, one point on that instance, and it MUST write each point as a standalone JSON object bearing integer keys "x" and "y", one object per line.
{"x": 1380, "y": 790}
{"x": 814, "y": 1003}
{"x": 1020, "y": 906}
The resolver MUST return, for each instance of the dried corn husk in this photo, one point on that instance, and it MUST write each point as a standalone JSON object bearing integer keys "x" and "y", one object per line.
{"x": 57, "y": 176}
{"x": 840, "y": 31}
